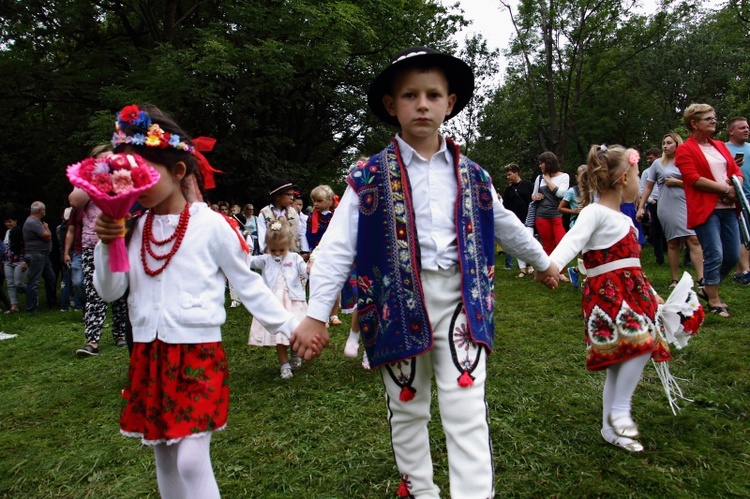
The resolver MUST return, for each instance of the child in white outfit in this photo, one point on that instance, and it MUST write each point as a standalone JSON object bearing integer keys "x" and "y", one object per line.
{"x": 180, "y": 257}
{"x": 283, "y": 272}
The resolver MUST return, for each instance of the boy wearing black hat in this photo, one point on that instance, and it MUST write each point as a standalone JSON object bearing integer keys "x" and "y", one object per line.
{"x": 422, "y": 221}
{"x": 281, "y": 193}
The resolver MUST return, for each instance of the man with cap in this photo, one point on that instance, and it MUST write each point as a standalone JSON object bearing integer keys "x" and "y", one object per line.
{"x": 419, "y": 221}
{"x": 281, "y": 208}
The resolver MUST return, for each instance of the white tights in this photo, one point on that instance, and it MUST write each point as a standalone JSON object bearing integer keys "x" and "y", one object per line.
{"x": 622, "y": 380}
{"x": 183, "y": 469}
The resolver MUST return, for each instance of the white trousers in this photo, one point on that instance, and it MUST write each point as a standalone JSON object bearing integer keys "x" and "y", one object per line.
{"x": 463, "y": 409}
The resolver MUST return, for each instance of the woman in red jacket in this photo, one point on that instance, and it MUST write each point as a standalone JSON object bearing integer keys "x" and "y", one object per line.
{"x": 707, "y": 165}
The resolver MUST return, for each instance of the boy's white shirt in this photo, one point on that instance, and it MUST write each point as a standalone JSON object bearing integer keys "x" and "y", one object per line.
{"x": 185, "y": 303}
{"x": 434, "y": 190}
{"x": 292, "y": 267}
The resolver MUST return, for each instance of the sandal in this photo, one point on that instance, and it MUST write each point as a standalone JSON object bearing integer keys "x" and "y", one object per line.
{"x": 720, "y": 311}
{"x": 522, "y": 273}
{"x": 704, "y": 296}
{"x": 673, "y": 284}
{"x": 624, "y": 426}
{"x": 530, "y": 270}
{"x": 625, "y": 443}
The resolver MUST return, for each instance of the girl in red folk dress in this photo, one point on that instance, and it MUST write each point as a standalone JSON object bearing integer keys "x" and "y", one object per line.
{"x": 619, "y": 304}
{"x": 180, "y": 255}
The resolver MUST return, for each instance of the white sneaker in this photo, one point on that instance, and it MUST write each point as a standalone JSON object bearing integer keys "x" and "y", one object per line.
{"x": 365, "y": 362}
{"x": 351, "y": 349}
{"x": 286, "y": 372}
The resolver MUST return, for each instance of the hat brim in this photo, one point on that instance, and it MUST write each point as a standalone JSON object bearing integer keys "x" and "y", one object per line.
{"x": 282, "y": 188}
{"x": 459, "y": 74}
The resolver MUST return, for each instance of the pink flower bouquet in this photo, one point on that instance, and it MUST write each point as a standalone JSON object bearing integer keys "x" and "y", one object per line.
{"x": 114, "y": 184}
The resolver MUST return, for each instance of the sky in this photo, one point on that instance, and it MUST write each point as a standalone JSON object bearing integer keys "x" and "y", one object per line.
{"x": 492, "y": 20}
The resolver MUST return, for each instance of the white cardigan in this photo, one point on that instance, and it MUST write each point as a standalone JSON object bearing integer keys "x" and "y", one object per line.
{"x": 292, "y": 267}
{"x": 185, "y": 303}
{"x": 597, "y": 227}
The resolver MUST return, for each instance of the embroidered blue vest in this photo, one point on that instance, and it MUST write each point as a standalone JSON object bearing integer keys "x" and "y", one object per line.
{"x": 392, "y": 313}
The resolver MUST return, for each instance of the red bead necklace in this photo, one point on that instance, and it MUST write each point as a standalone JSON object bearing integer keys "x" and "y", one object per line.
{"x": 148, "y": 240}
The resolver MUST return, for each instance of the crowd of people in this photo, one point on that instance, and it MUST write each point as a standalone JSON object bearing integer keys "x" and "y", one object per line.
{"x": 699, "y": 215}
{"x": 416, "y": 272}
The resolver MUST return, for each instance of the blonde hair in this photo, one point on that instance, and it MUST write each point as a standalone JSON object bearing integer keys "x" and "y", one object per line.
{"x": 322, "y": 192}
{"x": 604, "y": 166}
{"x": 693, "y": 111}
{"x": 279, "y": 232}
{"x": 678, "y": 140}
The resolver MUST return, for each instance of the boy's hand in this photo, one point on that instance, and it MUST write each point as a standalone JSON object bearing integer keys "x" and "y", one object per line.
{"x": 550, "y": 277}
{"x": 108, "y": 229}
{"x": 310, "y": 338}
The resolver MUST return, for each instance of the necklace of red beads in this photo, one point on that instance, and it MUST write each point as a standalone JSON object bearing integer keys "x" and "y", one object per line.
{"x": 149, "y": 240}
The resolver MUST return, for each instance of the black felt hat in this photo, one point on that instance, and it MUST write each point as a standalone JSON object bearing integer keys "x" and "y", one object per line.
{"x": 459, "y": 74}
{"x": 280, "y": 185}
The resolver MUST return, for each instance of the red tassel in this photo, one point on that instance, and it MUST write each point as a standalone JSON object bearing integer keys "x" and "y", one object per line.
{"x": 403, "y": 490}
{"x": 407, "y": 394}
{"x": 465, "y": 380}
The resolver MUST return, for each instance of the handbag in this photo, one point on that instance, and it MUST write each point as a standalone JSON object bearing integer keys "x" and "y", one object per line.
{"x": 531, "y": 213}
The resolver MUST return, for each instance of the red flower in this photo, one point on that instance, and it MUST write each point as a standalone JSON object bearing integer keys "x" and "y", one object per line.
{"x": 364, "y": 283}
{"x": 119, "y": 162}
{"x": 103, "y": 182}
{"x": 86, "y": 169}
{"x": 129, "y": 113}
{"x": 604, "y": 332}
{"x": 141, "y": 176}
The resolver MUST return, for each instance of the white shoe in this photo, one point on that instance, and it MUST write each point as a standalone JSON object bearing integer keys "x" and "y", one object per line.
{"x": 286, "y": 372}
{"x": 351, "y": 349}
{"x": 624, "y": 426}
{"x": 235, "y": 304}
{"x": 628, "y": 444}
{"x": 365, "y": 362}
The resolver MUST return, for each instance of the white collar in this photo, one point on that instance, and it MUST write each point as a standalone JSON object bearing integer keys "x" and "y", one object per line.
{"x": 408, "y": 152}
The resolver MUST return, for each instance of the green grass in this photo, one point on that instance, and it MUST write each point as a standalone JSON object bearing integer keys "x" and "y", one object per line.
{"x": 323, "y": 434}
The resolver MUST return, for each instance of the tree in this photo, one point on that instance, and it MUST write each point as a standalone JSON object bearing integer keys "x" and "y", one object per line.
{"x": 484, "y": 63}
{"x": 280, "y": 84}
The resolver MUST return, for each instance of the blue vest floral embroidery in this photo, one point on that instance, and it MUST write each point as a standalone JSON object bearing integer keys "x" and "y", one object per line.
{"x": 390, "y": 301}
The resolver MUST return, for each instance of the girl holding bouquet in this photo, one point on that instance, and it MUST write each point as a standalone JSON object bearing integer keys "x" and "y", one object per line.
{"x": 619, "y": 304}
{"x": 180, "y": 254}
{"x": 283, "y": 272}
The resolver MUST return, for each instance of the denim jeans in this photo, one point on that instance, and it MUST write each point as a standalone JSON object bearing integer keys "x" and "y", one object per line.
{"x": 76, "y": 279}
{"x": 16, "y": 277}
{"x": 40, "y": 267}
{"x": 67, "y": 294}
{"x": 720, "y": 239}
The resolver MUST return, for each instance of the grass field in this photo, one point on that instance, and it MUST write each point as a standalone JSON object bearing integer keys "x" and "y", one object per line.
{"x": 323, "y": 434}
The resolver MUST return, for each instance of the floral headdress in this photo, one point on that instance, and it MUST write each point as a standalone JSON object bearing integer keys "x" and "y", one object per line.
{"x": 152, "y": 135}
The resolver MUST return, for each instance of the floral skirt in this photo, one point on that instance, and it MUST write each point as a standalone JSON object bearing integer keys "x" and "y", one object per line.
{"x": 175, "y": 391}
{"x": 619, "y": 310}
